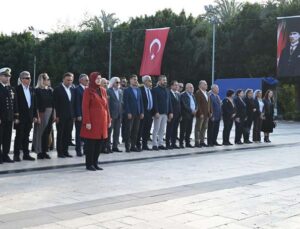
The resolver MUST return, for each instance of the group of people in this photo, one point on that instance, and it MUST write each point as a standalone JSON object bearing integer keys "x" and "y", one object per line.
{"x": 103, "y": 110}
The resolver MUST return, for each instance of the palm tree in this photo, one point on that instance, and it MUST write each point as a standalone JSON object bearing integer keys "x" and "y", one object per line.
{"x": 223, "y": 10}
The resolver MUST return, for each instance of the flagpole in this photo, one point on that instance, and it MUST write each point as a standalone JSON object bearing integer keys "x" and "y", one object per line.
{"x": 110, "y": 54}
{"x": 213, "y": 52}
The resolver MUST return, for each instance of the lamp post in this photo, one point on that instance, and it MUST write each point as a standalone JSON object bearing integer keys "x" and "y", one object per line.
{"x": 214, "y": 22}
{"x": 109, "y": 29}
{"x": 35, "y": 34}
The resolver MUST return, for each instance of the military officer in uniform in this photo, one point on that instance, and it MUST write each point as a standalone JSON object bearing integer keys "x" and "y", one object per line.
{"x": 8, "y": 114}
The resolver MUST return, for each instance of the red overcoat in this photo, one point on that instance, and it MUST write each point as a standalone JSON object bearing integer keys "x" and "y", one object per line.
{"x": 96, "y": 112}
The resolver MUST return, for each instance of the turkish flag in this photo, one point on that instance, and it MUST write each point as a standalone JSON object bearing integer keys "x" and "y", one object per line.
{"x": 155, "y": 41}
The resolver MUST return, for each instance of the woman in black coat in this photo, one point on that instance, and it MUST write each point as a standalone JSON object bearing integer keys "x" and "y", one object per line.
{"x": 258, "y": 116}
{"x": 228, "y": 113}
{"x": 250, "y": 110}
{"x": 240, "y": 117}
{"x": 268, "y": 120}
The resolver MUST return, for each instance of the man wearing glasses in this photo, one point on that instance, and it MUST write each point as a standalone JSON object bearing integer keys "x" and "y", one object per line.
{"x": 27, "y": 115}
{"x": 8, "y": 114}
{"x": 115, "y": 97}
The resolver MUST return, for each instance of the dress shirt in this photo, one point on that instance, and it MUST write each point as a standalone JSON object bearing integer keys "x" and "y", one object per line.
{"x": 192, "y": 102}
{"x": 68, "y": 91}
{"x": 27, "y": 95}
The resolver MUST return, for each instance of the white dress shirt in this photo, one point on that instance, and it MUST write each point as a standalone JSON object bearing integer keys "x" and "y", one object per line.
{"x": 68, "y": 91}
{"x": 205, "y": 94}
{"x": 116, "y": 91}
{"x": 27, "y": 95}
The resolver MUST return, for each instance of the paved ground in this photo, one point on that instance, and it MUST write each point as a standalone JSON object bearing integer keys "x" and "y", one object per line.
{"x": 249, "y": 186}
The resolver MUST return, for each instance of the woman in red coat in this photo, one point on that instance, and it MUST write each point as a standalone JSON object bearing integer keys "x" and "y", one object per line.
{"x": 95, "y": 121}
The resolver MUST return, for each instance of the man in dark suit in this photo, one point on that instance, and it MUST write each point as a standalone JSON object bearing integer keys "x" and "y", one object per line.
{"x": 289, "y": 62}
{"x": 27, "y": 115}
{"x": 115, "y": 97}
{"x": 215, "y": 116}
{"x": 146, "y": 122}
{"x": 134, "y": 112}
{"x": 8, "y": 114}
{"x": 83, "y": 83}
{"x": 64, "y": 103}
{"x": 172, "y": 125}
{"x": 188, "y": 111}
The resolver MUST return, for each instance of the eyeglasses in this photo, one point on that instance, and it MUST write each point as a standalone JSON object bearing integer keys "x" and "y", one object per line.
{"x": 26, "y": 78}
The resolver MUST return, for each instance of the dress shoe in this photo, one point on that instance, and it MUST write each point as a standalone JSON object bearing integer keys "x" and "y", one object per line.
{"x": 146, "y": 148}
{"x": 248, "y": 142}
{"x": 181, "y": 146}
{"x": 91, "y": 168}
{"x": 40, "y": 156}
{"x": 127, "y": 150}
{"x": 155, "y": 148}
{"x": 210, "y": 145}
{"x": 197, "y": 145}
{"x": 116, "y": 150}
{"x": 61, "y": 156}
{"x": 175, "y": 146}
{"x": 162, "y": 147}
{"x": 79, "y": 154}
{"x": 189, "y": 145}
{"x": 97, "y": 167}
{"x": 203, "y": 145}
{"x": 170, "y": 147}
{"x": 134, "y": 149}
{"x": 68, "y": 155}
{"x": 239, "y": 143}
{"x": 47, "y": 156}
{"x": 217, "y": 144}
{"x": 7, "y": 159}
{"x": 27, "y": 157}
{"x": 227, "y": 144}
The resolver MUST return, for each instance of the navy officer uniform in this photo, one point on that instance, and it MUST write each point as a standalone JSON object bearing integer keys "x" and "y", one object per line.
{"x": 8, "y": 114}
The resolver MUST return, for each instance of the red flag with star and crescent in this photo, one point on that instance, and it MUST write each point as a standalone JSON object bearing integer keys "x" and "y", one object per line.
{"x": 155, "y": 41}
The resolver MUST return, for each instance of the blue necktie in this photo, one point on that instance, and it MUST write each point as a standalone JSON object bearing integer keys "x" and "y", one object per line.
{"x": 149, "y": 100}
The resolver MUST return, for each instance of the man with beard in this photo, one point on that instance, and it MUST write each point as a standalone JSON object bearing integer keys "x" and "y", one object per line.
{"x": 162, "y": 109}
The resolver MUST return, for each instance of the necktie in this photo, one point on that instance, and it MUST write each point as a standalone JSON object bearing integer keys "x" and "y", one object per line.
{"x": 149, "y": 100}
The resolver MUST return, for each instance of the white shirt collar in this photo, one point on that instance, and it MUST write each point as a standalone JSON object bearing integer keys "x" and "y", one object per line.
{"x": 67, "y": 88}
{"x": 82, "y": 86}
{"x": 295, "y": 44}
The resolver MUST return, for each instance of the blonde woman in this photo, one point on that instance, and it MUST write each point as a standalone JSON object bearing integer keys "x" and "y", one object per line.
{"x": 44, "y": 103}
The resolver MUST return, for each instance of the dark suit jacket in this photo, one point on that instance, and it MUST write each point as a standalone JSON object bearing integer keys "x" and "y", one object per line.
{"x": 202, "y": 104}
{"x": 115, "y": 104}
{"x": 240, "y": 107}
{"x": 227, "y": 109}
{"x": 26, "y": 114}
{"x": 289, "y": 65}
{"x": 78, "y": 92}
{"x": 8, "y": 104}
{"x": 145, "y": 98}
{"x": 133, "y": 105}
{"x": 63, "y": 106}
{"x": 215, "y": 107}
{"x": 161, "y": 101}
{"x": 176, "y": 104}
{"x": 250, "y": 106}
{"x": 257, "y": 113}
{"x": 186, "y": 111}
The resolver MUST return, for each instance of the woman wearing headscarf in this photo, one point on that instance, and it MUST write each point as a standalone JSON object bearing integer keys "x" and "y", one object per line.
{"x": 268, "y": 119}
{"x": 95, "y": 121}
{"x": 258, "y": 115}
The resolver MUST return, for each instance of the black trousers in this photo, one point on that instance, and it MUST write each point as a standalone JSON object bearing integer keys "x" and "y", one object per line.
{"x": 92, "y": 149}
{"x": 45, "y": 136}
{"x": 257, "y": 129}
{"x": 228, "y": 123}
{"x": 132, "y": 129}
{"x": 212, "y": 131}
{"x": 5, "y": 138}
{"x": 172, "y": 131}
{"x": 247, "y": 129}
{"x": 123, "y": 128}
{"x": 145, "y": 129}
{"x": 115, "y": 131}
{"x": 22, "y": 137}
{"x": 239, "y": 130}
{"x": 64, "y": 129}
{"x": 78, "y": 139}
{"x": 186, "y": 126}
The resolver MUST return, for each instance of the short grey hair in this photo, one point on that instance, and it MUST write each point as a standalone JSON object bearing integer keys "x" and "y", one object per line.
{"x": 145, "y": 78}
{"x": 81, "y": 76}
{"x": 24, "y": 73}
{"x": 214, "y": 85}
{"x": 202, "y": 81}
